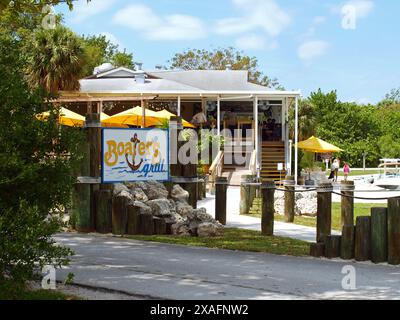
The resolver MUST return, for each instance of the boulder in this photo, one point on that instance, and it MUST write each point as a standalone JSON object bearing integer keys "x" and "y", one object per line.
{"x": 142, "y": 207}
{"x": 179, "y": 194}
{"x": 160, "y": 207}
{"x": 208, "y": 229}
{"x": 118, "y": 188}
{"x": 183, "y": 209}
{"x": 201, "y": 215}
{"x": 139, "y": 195}
{"x": 156, "y": 190}
{"x": 180, "y": 228}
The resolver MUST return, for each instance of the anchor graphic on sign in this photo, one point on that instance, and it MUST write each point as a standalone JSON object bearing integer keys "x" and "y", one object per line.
{"x": 132, "y": 165}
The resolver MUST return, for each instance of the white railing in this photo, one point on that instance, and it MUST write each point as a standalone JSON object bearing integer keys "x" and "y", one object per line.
{"x": 216, "y": 169}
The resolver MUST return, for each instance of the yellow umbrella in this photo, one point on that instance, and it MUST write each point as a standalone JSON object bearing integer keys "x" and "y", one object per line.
{"x": 104, "y": 117}
{"x": 134, "y": 117}
{"x": 167, "y": 115}
{"x": 65, "y": 117}
{"x": 317, "y": 145}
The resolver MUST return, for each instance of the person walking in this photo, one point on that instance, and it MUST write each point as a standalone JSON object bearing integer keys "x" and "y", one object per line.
{"x": 346, "y": 170}
{"x": 336, "y": 167}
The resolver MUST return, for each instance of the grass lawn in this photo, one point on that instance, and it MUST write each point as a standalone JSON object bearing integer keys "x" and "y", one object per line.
{"x": 360, "y": 209}
{"x": 237, "y": 239}
{"x": 357, "y": 172}
{"x": 9, "y": 291}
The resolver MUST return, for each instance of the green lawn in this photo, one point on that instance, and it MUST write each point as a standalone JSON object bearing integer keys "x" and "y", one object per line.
{"x": 10, "y": 291}
{"x": 237, "y": 239}
{"x": 360, "y": 209}
{"x": 357, "y": 172}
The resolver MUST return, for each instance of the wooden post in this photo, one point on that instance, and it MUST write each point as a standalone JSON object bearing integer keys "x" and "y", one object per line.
{"x": 317, "y": 249}
{"x": 133, "y": 222}
{"x": 347, "y": 242}
{"x": 245, "y": 201}
{"x": 363, "y": 239}
{"x": 324, "y": 210}
{"x": 221, "y": 186}
{"x": 268, "y": 211}
{"x": 347, "y": 203}
{"x": 103, "y": 201}
{"x": 394, "y": 231}
{"x": 175, "y": 127}
{"x": 379, "y": 240}
{"x": 289, "y": 198}
{"x": 332, "y": 246}
{"x": 119, "y": 215}
{"x": 93, "y": 131}
{"x": 146, "y": 224}
{"x": 160, "y": 226}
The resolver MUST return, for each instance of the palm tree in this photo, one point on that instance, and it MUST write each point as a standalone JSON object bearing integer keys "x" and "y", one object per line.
{"x": 56, "y": 60}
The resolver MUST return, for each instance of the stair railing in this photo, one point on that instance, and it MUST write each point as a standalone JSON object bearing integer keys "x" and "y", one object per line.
{"x": 215, "y": 170}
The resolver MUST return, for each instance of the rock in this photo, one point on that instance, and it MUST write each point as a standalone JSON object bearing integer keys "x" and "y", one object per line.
{"x": 179, "y": 194}
{"x": 183, "y": 209}
{"x": 118, "y": 188}
{"x": 139, "y": 195}
{"x": 208, "y": 229}
{"x": 174, "y": 218}
{"x": 201, "y": 215}
{"x": 156, "y": 190}
{"x": 160, "y": 207}
{"x": 180, "y": 228}
{"x": 143, "y": 208}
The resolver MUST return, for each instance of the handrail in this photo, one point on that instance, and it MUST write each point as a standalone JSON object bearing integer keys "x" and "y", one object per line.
{"x": 253, "y": 163}
{"x": 216, "y": 170}
{"x": 216, "y": 162}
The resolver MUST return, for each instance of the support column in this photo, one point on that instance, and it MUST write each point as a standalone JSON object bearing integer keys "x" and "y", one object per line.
{"x": 179, "y": 106}
{"x": 143, "y": 113}
{"x": 256, "y": 146}
{"x": 218, "y": 116}
{"x": 296, "y": 139}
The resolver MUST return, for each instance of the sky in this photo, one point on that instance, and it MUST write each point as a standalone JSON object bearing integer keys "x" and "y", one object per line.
{"x": 351, "y": 46}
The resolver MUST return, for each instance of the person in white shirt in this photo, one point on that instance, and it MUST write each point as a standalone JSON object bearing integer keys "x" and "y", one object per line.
{"x": 199, "y": 118}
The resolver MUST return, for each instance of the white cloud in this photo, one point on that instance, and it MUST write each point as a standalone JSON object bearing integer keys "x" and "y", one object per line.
{"x": 319, "y": 20}
{"x": 112, "y": 38}
{"x": 84, "y": 10}
{"x": 266, "y": 15}
{"x": 254, "y": 42}
{"x": 154, "y": 27}
{"x": 310, "y": 50}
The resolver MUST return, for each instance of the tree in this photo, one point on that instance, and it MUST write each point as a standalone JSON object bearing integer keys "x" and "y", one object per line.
{"x": 99, "y": 50}
{"x": 56, "y": 60}
{"x": 219, "y": 59}
{"x": 36, "y": 162}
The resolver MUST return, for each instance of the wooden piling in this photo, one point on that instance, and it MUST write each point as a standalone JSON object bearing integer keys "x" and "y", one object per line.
{"x": 103, "y": 201}
{"x": 379, "y": 239}
{"x": 347, "y": 203}
{"x": 289, "y": 199}
{"x": 317, "y": 249}
{"x": 362, "y": 251}
{"x": 160, "y": 226}
{"x": 347, "y": 242}
{"x": 393, "y": 220}
{"x": 332, "y": 246}
{"x": 221, "y": 186}
{"x": 133, "y": 222}
{"x": 146, "y": 224}
{"x": 119, "y": 215}
{"x": 245, "y": 201}
{"x": 324, "y": 210}
{"x": 268, "y": 210}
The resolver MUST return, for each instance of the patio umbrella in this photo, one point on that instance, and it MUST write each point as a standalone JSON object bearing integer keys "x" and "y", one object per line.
{"x": 167, "y": 115}
{"x": 104, "y": 117}
{"x": 65, "y": 117}
{"x": 134, "y": 117}
{"x": 317, "y": 145}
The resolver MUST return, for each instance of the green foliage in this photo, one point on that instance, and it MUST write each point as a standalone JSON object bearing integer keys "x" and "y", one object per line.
{"x": 219, "y": 59}
{"x": 37, "y": 159}
{"x": 99, "y": 50}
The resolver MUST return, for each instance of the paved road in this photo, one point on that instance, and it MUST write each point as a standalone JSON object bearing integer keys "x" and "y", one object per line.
{"x": 181, "y": 272}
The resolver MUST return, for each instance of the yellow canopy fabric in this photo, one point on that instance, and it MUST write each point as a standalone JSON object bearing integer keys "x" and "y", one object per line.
{"x": 66, "y": 117}
{"x": 317, "y": 145}
{"x": 104, "y": 117}
{"x": 134, "y": 117}
{"x": 167, "y": 115}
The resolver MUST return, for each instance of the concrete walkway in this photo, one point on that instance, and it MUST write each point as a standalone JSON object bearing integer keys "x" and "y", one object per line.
{"x": 234, "y": 219}
{"x": 151, "y": 269}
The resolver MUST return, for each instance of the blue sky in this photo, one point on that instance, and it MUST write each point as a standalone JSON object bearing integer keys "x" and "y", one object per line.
{"x": 352, "y": 45}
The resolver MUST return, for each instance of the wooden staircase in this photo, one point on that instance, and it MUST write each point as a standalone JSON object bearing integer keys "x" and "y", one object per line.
{"x": 272, "y": 153}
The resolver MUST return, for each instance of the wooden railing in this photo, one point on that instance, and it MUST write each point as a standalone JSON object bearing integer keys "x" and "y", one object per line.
{"x": 216, "y": 169}
{"x": 253, "y": 163}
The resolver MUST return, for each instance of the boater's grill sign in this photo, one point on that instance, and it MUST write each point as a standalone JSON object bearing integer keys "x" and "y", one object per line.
{"x": 135, "y": 155}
